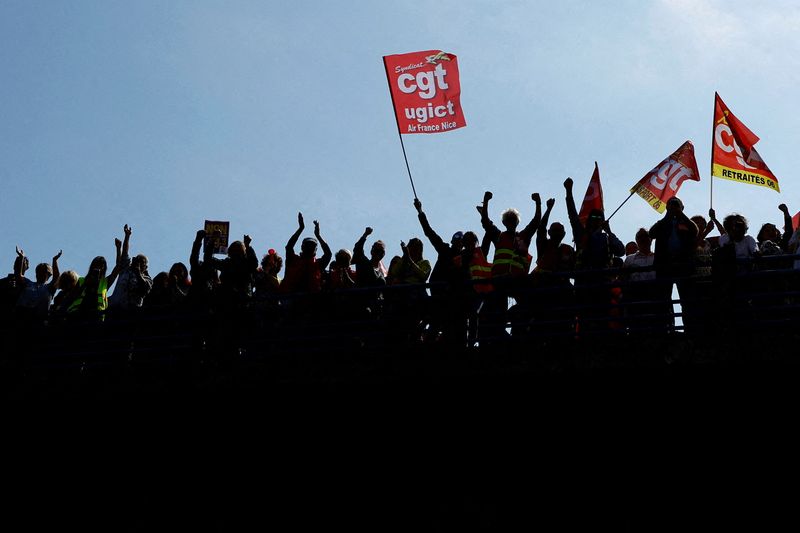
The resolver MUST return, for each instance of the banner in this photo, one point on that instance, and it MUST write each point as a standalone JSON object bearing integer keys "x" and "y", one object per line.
{"x": 216, "y": 236}
{"x": 663, "y": 182}
{"x": 733, "y": 156}
{"x": 425, "y": 91}
{"x": 593, "y": 199}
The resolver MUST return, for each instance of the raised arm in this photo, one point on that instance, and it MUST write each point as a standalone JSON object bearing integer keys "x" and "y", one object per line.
{"x": 713, "y": 216}
{"x": 574, "y": 219}
{"x": 126, "y": 241}
{"x": 296, "y": 235}
{"x": 788, "y": 227}
{"x": 18, "y": 264}
{"x": 358, "y": 249}
{"x": 326, "y": 250}
{"x": 194, "y": 257}
{"x": 56, "y": 274}
{"x": 250, "y": 254}
{"x": 492, "y": 232}
{"x": 533, "y": 225}
{"x": 541, "y": 233}
{"x": 437, "y": 242}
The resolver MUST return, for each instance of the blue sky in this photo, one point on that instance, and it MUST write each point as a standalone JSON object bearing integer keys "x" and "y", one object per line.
{"x": 163, "y": 114}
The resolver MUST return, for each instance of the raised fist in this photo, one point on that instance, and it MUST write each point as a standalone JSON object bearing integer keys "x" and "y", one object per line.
{"x": 368, "y": 231}
{"x": 550, "y": 203}
{"x": 247, "y": 240}
{"x": 127, "y": 229}
{"x": 300, "y": 220}
{"x": 418, "y": 205}
{"x": 783, "y": 208}
{"x": 536, "y": 198}
{"x": 568, "y": 184}
{"x": 487, "y": 196}
{"x": 201, "y": 234}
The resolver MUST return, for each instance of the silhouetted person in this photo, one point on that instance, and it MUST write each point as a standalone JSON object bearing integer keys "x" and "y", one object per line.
{"x": 443, "y": 278}
{"x": 304, "y": 271}
{"x": 91, "y": 300}
{"x": 34, "y": 299}
{"x": 595, "y": 246}
{"x": 134, "y": 282}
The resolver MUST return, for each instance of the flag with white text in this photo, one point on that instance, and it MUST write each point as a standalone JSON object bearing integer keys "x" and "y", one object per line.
{"x": 425, "y": 91}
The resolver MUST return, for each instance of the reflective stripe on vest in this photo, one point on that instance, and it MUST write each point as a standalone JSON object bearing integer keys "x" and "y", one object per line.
{"x": 507, "y": 260}
{"x": 480, "y": 269}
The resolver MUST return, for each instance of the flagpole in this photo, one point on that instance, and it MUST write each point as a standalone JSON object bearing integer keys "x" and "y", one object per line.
{"x": 711, "y": 176}
{"x": 399, "y": 133}
{"x": 620, "y": 206}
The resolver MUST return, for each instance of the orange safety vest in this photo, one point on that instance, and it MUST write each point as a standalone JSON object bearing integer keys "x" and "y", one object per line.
{"x": 479, "y": 269}
{"x": 511, "y": 256}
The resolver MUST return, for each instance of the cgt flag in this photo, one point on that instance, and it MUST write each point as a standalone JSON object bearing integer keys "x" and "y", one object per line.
{"x": 733, "y": 156}
{"x": 593, "y": 199}
{"x": 663, "y": 182}
{"x": 425, "y": 91}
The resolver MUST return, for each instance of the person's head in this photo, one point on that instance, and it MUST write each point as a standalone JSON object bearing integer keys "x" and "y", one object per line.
{"x": 43, "y": 272}
{"x": 179, "y": 273}
{"x": 643, "y": 240}
{"x": 631, "y": 248}
{"x": 768, "y": 232}
{"x": 161, "y": 281}
{"x": 236, "y": 250}
{"x": 736, "y": 226}
{"x": 21, "y": 264}
{"x": 343, "y": 258}
{"x": 272, "y": 262}
{"x": 699, "y": 221}
{"x": 415, "y": 249}
{"x": 595, "y": 220}
{"x": 68, "y": 280}
{"x": 557, "y": 232}
{"x": 469, "y": 241}
{"x": 378, "y": 251}
{"x": 139, "y": 262}
{"x": 674, "y": 206}
{"x": 309, "y": 247}
{"x": 97, "y": 268}
{"x": 510, "y": 219}
{"x": 455, "y": 242}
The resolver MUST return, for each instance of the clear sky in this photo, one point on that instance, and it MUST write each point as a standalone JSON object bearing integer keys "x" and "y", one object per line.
{"x": 163, "y": 114}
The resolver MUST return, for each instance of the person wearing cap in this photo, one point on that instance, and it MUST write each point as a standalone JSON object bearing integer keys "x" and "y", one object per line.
{"x": 304, "y": 271}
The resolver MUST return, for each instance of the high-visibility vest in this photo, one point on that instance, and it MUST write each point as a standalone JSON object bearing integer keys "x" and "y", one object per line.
{"x": 511, "y": 256}
{"x": 102, "y": 297}
{"x": 479, "y": 269}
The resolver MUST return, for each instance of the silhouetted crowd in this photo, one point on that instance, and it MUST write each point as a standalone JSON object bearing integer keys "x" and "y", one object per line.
{"x": 512, "y": 280}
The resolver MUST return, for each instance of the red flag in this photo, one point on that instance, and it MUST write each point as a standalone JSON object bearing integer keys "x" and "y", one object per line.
{"x": 593, "y": 199}
{"x": 795, "y": 222}
{"x": 425, "y": 91}
{"x": 663, "y": 182}
{"x": 733, "y": 156}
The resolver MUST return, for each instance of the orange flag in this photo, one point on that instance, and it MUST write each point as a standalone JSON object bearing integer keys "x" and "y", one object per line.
{"x": 733, "y": 154}
{"x": 593, "y": 199}
{"x": 663, "y": 182}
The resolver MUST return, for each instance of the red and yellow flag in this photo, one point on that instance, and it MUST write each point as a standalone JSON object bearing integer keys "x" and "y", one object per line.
{"x": 733, "y": 154}
{"x": 593, "y": 199}
{"x": 425, "y": 91}
{"x": 663, "y": 182}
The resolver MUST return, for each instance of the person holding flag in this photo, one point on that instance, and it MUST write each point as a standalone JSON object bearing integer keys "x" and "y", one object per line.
{"x": 595, "y": 245}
